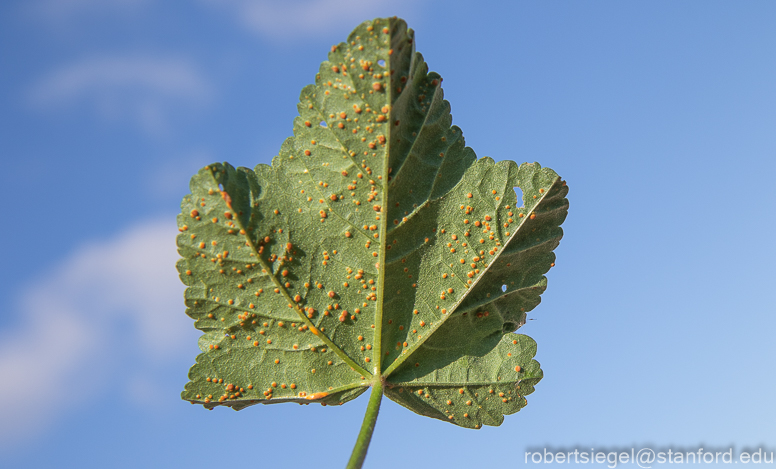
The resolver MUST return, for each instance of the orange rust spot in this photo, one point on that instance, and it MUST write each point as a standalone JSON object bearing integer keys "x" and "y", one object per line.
{"x": 316, "y": 395}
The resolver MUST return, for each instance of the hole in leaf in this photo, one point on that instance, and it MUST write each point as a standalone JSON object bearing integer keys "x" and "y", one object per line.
{"x": 504, "y": 287}
{"x": 381, "y": 63}
{"x": 519, "y": 194}
{"x": 323, "y": 124}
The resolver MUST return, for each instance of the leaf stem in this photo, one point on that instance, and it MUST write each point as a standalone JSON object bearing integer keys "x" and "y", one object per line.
{"x": 367, "y": 427}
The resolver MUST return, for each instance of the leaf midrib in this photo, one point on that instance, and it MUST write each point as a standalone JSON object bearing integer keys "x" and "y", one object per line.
{"x": 378, "y": 337}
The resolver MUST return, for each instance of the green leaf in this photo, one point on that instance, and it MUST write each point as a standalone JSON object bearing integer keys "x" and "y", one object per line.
{"x": 376, "y": 247}
{"x": 469, "y": 386}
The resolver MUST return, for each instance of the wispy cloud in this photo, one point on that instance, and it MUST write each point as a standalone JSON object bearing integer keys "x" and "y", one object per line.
{"x": 304, "y": 18}
{"x": 144, "y": 89}
{"x": 106, "y": 301}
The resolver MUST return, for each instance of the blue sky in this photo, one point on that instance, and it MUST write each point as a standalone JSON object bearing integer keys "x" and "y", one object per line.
{"x": 657, "y": 326}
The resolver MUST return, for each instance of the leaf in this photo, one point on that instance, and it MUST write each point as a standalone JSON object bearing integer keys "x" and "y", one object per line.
{"x": 376, "y": 246}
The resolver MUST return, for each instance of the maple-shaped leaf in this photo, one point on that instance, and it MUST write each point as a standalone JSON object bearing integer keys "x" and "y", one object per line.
{"x": 376, "y": 250}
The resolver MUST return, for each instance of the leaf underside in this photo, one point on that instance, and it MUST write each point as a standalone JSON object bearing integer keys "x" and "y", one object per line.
{"x": 376, "y": 244}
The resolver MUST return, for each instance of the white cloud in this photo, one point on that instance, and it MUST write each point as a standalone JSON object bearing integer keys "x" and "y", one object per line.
{"x": 305, "y": 18}
{"x": 84, "y": 314}
{"x": 145, "y": 89}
